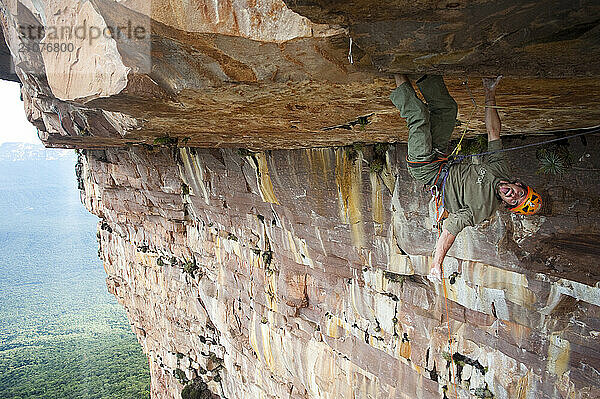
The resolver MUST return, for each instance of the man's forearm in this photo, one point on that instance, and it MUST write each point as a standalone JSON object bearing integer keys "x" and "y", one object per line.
{"x": 492, "y": 119}
{"x": 442, "y": 246}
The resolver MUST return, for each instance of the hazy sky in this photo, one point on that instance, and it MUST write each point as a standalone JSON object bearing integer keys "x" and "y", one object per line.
{"x": 13, "y": 123}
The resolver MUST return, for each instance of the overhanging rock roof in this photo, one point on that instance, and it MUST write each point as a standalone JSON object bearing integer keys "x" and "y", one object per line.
{"x": 267, "y": 77}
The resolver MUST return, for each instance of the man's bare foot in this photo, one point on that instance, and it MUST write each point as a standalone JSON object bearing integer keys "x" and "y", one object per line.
{"x": 489, "y": 84}
{"x": 400, "y": 78}
{"x": 435, "y": 275}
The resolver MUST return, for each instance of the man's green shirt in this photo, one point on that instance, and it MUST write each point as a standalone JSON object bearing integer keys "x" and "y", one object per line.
{"x": 470, "y": 191}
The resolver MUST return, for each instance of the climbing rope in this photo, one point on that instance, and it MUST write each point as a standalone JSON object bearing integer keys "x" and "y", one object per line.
{"x": 518, "y": 107}
{"x": 590, "y": 130}
{"x": 462, "y": 136}
{"x": 454, "y": 153}
{"x": 475, "y": 106}
{"x": 453, "y": 369}
{"x": 450, "y": 341}
{"x": 438, "y": 195}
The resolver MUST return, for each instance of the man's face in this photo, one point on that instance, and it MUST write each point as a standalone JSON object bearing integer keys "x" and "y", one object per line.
{"x": 511, "y": 193}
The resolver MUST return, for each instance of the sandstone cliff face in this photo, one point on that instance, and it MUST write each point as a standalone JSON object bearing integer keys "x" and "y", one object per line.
{"x": 299, "y": 274}
{"x": 261, "y": 255}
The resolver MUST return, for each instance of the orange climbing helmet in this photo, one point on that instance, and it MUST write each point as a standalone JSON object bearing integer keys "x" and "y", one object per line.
{"x": 531, "y": 204}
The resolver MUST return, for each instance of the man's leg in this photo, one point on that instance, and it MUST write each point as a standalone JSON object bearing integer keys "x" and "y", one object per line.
{"x": 419, "y": 129}
{"x": 442, "y": 110}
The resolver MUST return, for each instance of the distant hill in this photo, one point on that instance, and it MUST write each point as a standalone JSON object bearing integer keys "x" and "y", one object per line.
{"x": 29, "y": 152}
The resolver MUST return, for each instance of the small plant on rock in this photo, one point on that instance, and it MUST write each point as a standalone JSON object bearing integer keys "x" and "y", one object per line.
{"x": 180, "y": 376}
{"x": 243, "y": 152}
{"x": 379, "y": 160}
{"x": 363, "y": 121}
{"x": 185, "y": 189}
{"x": 474, "y": 145}
{"x": 554, "y": 160}
{"x": 196, "y": 389}
{"x": 190, "y": 267}
{"x": 483, "y": 392}
{"x": 353, "y": 151}
{"x": 376, "y": 166}
{"x": 165, "y": 140}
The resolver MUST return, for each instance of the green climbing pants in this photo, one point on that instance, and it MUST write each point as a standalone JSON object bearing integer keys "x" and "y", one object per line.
{"x": 429, "y": 125}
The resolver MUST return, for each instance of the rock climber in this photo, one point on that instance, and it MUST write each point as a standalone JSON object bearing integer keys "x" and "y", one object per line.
{"x": 470, "y": 192}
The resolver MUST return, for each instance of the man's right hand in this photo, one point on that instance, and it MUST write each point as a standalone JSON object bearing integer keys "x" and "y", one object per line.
{"x": 490, "y": 84}
{"x": 435, "y": 274}
{"x": 442, "y": 246}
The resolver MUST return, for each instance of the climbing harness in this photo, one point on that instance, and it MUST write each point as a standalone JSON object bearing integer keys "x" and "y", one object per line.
{"x": 437, "y": 190}
{"x": 437, "y": 184}
{"x": 418, "y": 164}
